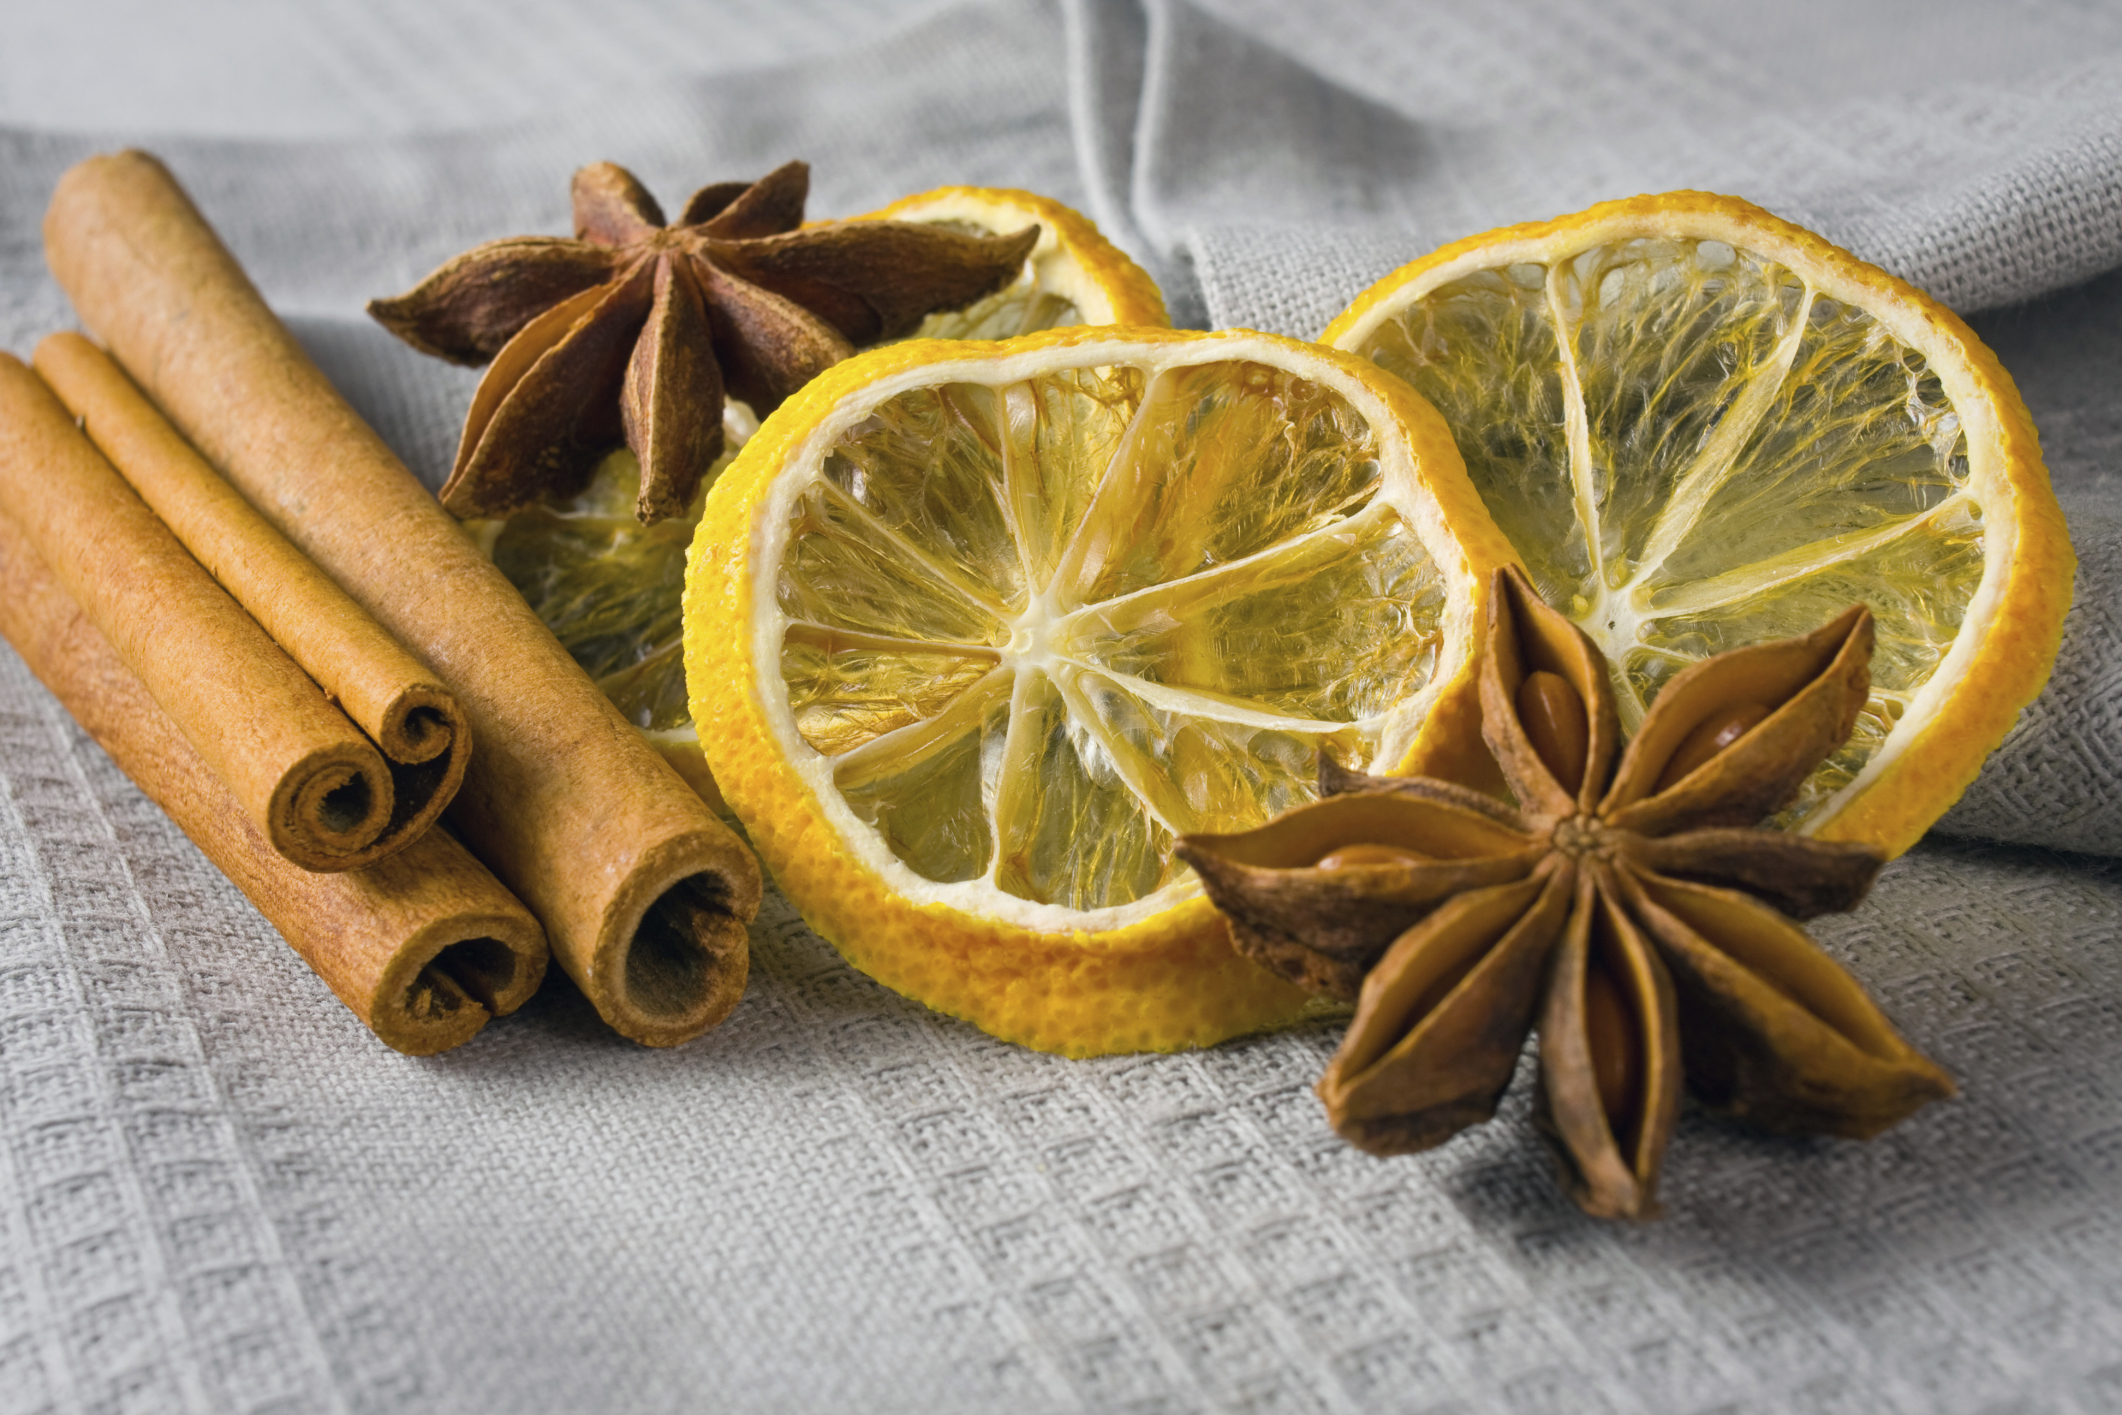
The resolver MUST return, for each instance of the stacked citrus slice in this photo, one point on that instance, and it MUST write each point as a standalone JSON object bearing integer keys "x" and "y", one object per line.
{"x": 1703, "y": 427}
{"x": 609, "y": 586}
{"x": 983, "y": 627}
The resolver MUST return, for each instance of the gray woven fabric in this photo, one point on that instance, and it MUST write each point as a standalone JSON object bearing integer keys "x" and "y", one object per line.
{"x": 218, "y": 1193}
{"x": 1975, "y": 149}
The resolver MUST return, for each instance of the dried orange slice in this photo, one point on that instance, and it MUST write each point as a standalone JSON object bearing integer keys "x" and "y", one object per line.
{"x": 981, "y": 627}
{"x": 1702, "y": 426}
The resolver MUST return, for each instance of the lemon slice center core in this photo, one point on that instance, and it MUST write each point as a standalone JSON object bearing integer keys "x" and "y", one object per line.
{"x": 1032, "y": 636}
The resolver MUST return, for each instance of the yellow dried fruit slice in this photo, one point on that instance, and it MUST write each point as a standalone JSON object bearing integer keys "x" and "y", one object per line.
{"x": 1702, "y": 426}
{"x": 982, "y": 627}
{"x": 608, "y": 586}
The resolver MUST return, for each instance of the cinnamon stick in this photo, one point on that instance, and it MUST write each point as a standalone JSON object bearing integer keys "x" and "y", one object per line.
{"x": 423, "y": 947}
{"x": 310, "y": 782}
{"x": 644, "y": 894}
{"x": 387, "y": 693}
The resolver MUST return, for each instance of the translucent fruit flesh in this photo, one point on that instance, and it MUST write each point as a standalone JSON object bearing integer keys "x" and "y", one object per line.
{"x": 1041, "y": 627}
{"x": 1693, "y": 447}
{"x": 609, "y": 589}
{"x": 1021, "y": 307}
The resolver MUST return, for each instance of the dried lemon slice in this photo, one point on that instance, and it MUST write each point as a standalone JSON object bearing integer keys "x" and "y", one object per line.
{"x": 982, "y": 627}
{"x": 1702, "y": 427}
{"x": 608, "y": 587}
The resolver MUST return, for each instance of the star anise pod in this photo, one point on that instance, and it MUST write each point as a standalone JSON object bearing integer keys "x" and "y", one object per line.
{"x": 1623, "y": 907}
{"x": 639, "y": 327}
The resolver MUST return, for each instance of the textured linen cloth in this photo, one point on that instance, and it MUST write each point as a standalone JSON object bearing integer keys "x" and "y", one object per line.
{"x": 218, "y": 1193}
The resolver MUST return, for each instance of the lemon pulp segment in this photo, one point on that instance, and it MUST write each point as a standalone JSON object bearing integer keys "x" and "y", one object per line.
{"x": 1018, "y": 308}
{"x": 1695, "y": 446}
{"x": 609, "y": 588}
{"x": 1030, "y": 627}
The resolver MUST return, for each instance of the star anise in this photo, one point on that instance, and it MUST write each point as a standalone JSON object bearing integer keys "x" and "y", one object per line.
{"x": 1622, "y": 907}
{"x": 653, "y": 322}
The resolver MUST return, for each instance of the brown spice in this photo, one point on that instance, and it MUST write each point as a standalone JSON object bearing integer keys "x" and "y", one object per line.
{"x": 396, "y": 702}
{"x": 1622, "y": 907}
{"x": 423, "y": 947}
{"x": 657, "y": 321}
{"x": 311, "y": 783}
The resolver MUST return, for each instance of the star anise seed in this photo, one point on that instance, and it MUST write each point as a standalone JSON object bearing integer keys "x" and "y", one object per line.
{"x": 637, "y": 328}
{"x": 1624, "y": 908}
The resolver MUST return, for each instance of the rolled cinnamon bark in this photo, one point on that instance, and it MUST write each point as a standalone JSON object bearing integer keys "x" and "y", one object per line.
{"x": 424, "y": 947}
{"x": 644, "y": 894}
{"x": 388, "y": 693}
{"x": 315, "y": 788}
